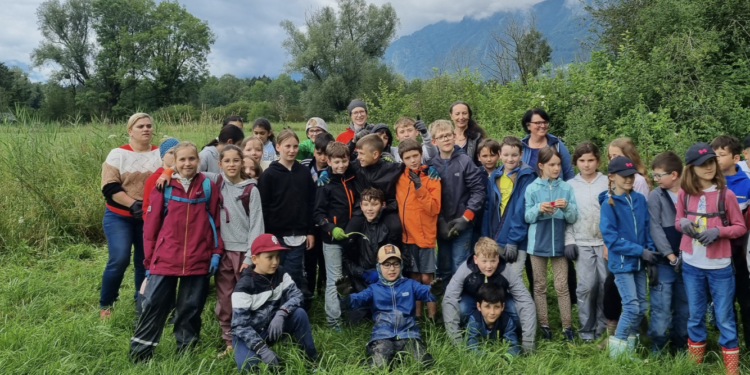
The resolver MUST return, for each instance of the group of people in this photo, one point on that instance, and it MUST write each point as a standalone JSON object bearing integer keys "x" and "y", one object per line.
{"x": 383, "y": 232}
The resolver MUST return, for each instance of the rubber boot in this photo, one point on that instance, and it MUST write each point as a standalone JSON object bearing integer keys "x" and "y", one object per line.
{"x": 632, "y": 344}
{"x": 696, "y": 351}
{"x": 616, "y": 347}
{"x": 611, "y": 328}
{"x": 731, "y": 360}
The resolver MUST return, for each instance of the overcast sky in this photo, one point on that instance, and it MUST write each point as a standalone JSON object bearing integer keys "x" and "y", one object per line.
{"x": 248, "y": 36}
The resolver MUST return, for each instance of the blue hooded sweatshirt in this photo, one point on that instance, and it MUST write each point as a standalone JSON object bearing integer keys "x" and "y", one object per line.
{"x": 565, "y": 163}
{"x": 625, "y": 230}
{"x": 510, "y": 228}
{"x": 547, "y": 232}
{"x": 739, "y": 184}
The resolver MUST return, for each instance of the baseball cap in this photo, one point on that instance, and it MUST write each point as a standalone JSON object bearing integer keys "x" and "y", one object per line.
{"x": 388, "y": 251}
{"x": 622, "y": 166}
{"x": 698, "y": 153}
{"x": 264, "y": 243}
{"x": 316, "y": 121}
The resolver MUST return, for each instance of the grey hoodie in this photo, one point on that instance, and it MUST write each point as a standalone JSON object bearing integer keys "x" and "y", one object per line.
{"x": 585, "y": 231}
{"x": 209, "y": 160}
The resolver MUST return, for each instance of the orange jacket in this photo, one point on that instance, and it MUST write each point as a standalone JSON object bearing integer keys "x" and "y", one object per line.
{"x": 418, "y": 209}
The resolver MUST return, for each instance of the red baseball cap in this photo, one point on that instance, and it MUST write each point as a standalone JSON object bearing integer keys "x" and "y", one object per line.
{"x": 264, "y": 243}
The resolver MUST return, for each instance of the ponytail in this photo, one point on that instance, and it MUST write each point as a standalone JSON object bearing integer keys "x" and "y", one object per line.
{"x": 233, "y": 133}
{"x": 609, "y": 194}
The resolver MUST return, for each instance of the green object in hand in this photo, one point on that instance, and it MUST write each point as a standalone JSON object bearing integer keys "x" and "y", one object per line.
{"x": 339, "y": 234}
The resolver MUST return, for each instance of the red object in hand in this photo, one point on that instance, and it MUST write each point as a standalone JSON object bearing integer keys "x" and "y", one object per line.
{"x": 552, "y": 203}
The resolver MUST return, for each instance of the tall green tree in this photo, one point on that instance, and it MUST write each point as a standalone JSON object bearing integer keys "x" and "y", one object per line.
{"x": 17, "y": 90}
{"x": 516, "y": 50}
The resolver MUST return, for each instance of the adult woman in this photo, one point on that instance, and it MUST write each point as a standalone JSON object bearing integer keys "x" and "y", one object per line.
{"x": 468, "y": 133}
{"x": 535, "y": 123}
{"x": 124, "y": 174}
{"x": 358, "y": 114}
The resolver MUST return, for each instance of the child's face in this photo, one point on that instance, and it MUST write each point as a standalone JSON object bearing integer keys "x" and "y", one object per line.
{"x": 186, "y": 162}
{"x": 320, "y": 157}
{"x": 587, "y": 164}
{"x": 253, "y": 150}
{"x": 390, "y": 269}
{"x": 339, "y": 165}
{"x": 725, "y": 159}
{"x": 613, "y": 152}
{"x": 551, "y": 169}
{"x": 665, "y": 180}
{"x": 384, "y": 136}
{"x": 371, "y": 208}
{"x": 406, "y": 132}
{"x": 262, "y": 133}
{"x": 511, "y": 157}
{"x": 488, "y": 159}
{"x": 168, "y": 160}
{"x": 622, "y": 183}
{"x": 412, "y": 159}
{"x": 367, "y": 156}
{"x": 231, "y": 164}
{"x": 266, "y": 263}
{"x": 288, "y": 149}
{"x": 487, "y": 265}
{"x": 250, "y": 167}
{"x": 313, "y": 132}
{"x": 490, "y": 311}
{"x": 443, "y": 140}
{"x": 707, "y": 171}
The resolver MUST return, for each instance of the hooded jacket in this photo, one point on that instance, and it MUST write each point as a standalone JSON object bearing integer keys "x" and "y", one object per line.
{"x": 565, "y": 162}
{"x": 585, "y": 231}
{"x": 625, "y": 229}
{"x": 288, "y": 199}
{"x": 387, "y": 130}
{"x": 181, "y": 242}
{"x": 418, "y": 209}
{"x": 510, "y": 228}
{"x": 462, "y": 186}
{"x": 503, "y": 329}
{"x": 382, "y": 175}
{"x": 722, "y": 247}
{"x": 209, "y": 160}
{"x": 362, "y": 254}
{"x": 662, "y": 211}
{"x": 547, "y": 232}
{"x": 335, "y": 203}
{"x": 393, "y": 307}
{"x": 256, "y": 299}
{"x": 739, "y": 184}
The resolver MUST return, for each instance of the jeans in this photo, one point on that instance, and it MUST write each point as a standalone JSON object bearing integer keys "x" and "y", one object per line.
{"x": 123, "y": 233}
{"x": 632, "y": 287}
{"x": 592, "y": 271}
{"x": 454, "y": 252}
{"x": 669, "y": 310}
{"x": 293, "y": 261}
{"x": 468, "y": 305}
{"x": 332, "y": 255}
{"x": 297, "y": 324}
{"x": 721, "y": 284}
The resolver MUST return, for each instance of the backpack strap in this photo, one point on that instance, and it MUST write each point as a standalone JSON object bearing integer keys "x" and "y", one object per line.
{"x": 720, "y": 208}
{"x": 207, "y": 197}
{"x": 245, "y": 198}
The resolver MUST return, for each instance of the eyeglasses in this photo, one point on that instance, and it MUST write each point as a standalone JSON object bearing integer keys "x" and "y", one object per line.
{"x": 315, "y": 130}
{"x": 540, "y": 124}
{"x": 444, "y": 137}
{"x": 658, "y": 176}
{"x": 358, "y": 113}
{"x": 389, "y": 265}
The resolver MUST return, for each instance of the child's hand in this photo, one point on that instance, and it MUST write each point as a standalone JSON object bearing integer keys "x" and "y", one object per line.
{"x": 310, "y": 242}
{"x": 546, "y": 208}
{"x": 436, "y": 287}
{"x": 561, "y": 203}
{"x": 344, "y": 286}
{"x": 164, "y": 180}
{"x": 243, "y": 266}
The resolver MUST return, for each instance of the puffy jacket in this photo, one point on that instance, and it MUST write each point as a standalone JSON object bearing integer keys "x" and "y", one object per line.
{"x": 462, "y": 185}
{"x": 625, "y": 229}
{"x": 335, "y": 203}
{"x": 510, "y": 228}
{"x": 181, "y": 242}
{"x": 565, "y": 161}
{"x": 393, "y": 307}
{"x": 547, "y": 232}
{"x": 288, "y": 198}
{"x": 362, "y": 255}
{"x": 585, "y": 231}
{"x": 256, "y": 299}
{"x": 418, "y": 209}
{"x": 722, "y": 247}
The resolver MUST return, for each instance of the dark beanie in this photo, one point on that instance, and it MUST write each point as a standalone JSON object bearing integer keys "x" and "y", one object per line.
{"x": 354, "y": 104}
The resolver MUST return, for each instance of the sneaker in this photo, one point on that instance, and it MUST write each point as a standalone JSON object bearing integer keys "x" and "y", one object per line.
{"x": 105, "y": 313}
{"x": 568, "y": 333}
{"x": 546, "y": 333}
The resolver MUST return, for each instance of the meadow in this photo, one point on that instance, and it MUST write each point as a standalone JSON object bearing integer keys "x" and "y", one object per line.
{"x": 52, "y": 253}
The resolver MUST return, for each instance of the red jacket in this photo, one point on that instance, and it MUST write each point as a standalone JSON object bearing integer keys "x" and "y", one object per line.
{"x": 345, "y": 136}
{"x": 181, "y": 242}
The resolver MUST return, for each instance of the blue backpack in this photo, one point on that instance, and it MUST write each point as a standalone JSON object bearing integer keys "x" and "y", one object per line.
{"x": 206, "y": 198}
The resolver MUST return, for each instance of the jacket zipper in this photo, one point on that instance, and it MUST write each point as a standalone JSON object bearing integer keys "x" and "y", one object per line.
{"x": 635, "y": 225}
{"x": 502, "y": 217}
{"x": 403, "y": 214}
{"x": 393, "y": 298}
{"x": 187, "y": 219}
{"x": 552, "y": 221}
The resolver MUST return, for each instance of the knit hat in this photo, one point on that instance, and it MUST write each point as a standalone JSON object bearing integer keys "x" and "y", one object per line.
{"x": 356, "y": 103}
{"x": 166, "y": 145}
{"x": 316, "y": 122}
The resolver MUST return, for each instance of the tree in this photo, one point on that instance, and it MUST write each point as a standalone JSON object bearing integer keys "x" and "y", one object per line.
{"x": 17, "y": 90}
{"x": 516, "y": 50}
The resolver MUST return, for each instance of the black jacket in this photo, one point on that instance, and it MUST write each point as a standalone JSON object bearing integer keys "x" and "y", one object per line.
{"x": 384, "y": 127}
{"x": 382, "y": 175}
{"x": 335, "y": 203}
{"x": 463, "y": 185}
{"x": 477, "y": 278}
{"x": 288, "y": 199}
{"x": 360, "y": 254}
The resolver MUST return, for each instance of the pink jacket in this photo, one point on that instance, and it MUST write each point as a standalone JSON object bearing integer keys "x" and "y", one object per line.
{"x": 182, "y": 242}
{"x": 722, "y": 247}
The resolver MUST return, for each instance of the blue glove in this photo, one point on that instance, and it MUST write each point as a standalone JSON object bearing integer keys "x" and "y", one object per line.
{"x": 433, "y": 173}
{"x": 276, "y": 328}
{"x": 323, "y": 178}
{"x": 371, "y": 276}
{"x": 214, "y": 264}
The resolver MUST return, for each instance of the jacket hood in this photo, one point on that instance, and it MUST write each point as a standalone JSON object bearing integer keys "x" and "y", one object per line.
{"x": 475, "y": 269}
{"x": 386, "y": 282}
{"x": 580, "y": 179}
{"x": 240, "y": 184}
{"x": 603, "y": 197}
{"x": 384, "y": 127}
{"x": 554, "y": 182}
{"x": 523, "y": 169}
{"x": 277, "y": 166}
{"x": 737, "y": 177}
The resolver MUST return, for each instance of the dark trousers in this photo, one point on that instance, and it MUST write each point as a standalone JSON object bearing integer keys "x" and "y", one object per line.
{"x": 315, "y": 267}
{"x": 612, "y": 299}
{"x": 742, "y": 284}
{"x": 158, "y": 301}
{"x": 572, "y": 281}
{"x": 293, "y": 261}
{"x": 382, "y": 352}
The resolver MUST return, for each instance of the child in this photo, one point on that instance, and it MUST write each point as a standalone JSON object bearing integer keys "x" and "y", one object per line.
{"x": 584, "y": 244}
{"x": 319, "y": 161}
{"x": 189, "y": 248}
{"x": 624, "y": 224}
{"x": 334, "y": 205}
{"x": 462, "y": 197}
{"x": 210, "y": 153}
{"x": 167, "y": 162}
{"x": 550, "y": 204}
{"x": 669, "y": 304}
{"x": 314, "y": 126}
{"x": 395, "y": 328}
{"x": 408, "y": 128}
{"x": 266, "y": 304}
{"x": 386, "y": 136}
{"x": 253, "y": 148}
{"x": 233, "y": 120}
{"x": 489, "y": 154}
{"x": 418, "y": 200}
{"x": 262, "y": 130}
{"x": 504, "y": 212}
{"x": 625, "y": 147}
{"x": 707, "y": 251}
{"x": 462, "y": 294}
{"x": 252, "y": 167}
{"x": 288, "y": 196}
{"x": 489, "y": 322}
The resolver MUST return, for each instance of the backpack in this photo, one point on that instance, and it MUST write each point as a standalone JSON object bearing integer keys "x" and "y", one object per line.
{"x": 206, "y": 198}
{"x": 244, "y": 197}
{"x": 720, "y": 209}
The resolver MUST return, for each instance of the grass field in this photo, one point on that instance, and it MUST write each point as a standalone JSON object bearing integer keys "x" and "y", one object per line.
{"x": 52, "y": 253}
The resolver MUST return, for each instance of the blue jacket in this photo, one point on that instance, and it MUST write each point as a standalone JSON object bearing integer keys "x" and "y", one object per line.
{"x": 393, "y": 307}
{"x": 510, "y": 228}
{"x": 547, "y": 232}
{"x": 503, "y": 329}
{"x": 739, "y": 184}
{"x": 462, "y": 185}
{"x": 625, "y": 230}
{"x": 565, "y": 163}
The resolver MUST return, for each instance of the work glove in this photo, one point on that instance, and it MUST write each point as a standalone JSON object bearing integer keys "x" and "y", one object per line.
{"x": 214, "y": 264}
{"x": 361, "y": 134}
{"x": 571, "y": 252}
{"x": 344, "y": 286}
{"x": 458, "y": 225}
{"x": 415, "y": 179}
{"x": 436, "y": 287}
{"x": 163, "y": 180}
{"x": 653, "y": 274}
{"x": 511, "y": 253}
{"x": 651, "y": 257}
{"x": 276, "y": 328}
{"x": 688, "y": 227}
{"x": 388, "y": 157}
{"x": 339, "y": 234}
{"x": 433, "y": 173}
{"x": 677, "y": 264}
{"x": 136, "y": 209}
{"x": 370, "y": 276}
{"x": 323, "y": 178}
{"x": 443, "y": 229}
{"x": 421, "y": 128}
{"x": 708, "y": 236}
{"x": 268, "y": 356}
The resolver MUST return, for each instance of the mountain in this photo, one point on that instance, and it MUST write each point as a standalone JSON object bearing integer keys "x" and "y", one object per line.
{"x": 560, "y": 21}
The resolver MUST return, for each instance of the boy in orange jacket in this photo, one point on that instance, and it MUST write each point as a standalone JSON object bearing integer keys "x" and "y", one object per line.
{"x": 418, "y": 199}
